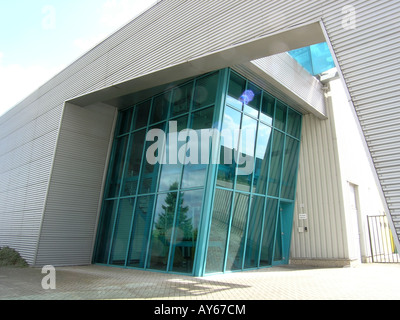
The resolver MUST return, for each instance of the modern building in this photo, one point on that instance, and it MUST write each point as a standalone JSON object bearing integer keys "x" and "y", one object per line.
{"x": 212, "y": 137}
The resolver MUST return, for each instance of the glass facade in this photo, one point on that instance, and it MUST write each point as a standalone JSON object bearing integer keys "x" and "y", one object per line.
{"x": 156, "y": 214}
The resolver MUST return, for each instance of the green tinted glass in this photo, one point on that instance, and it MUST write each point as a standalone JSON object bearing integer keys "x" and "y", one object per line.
{"x": 219, "y": 231}
{"x": 206, "y": 91}
{"x": 186, "y": 231}
{"x": 237, "y": 232}
{"x": 162, "y": 230}
{"x": 140, "y": 231}
{"x": 122, "y": 231}
{"x": 268, "y": 232}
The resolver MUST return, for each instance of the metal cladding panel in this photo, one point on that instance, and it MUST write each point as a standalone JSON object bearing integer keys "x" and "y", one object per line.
{"x": 75, "y": 187}
{"x": 174, "y": 32}
{"x": 26, "y": 157}
{"x": 319, "y": 191}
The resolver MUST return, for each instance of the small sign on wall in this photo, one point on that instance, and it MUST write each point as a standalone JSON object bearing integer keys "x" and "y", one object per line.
{"x": 303, "y": 216}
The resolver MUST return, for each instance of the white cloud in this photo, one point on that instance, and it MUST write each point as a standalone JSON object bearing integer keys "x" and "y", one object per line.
{"x": 17, "y": 82}
{"x": 116, "y": 13}
{"x": 85, "y": 44}
{"x": 113, "y": 15}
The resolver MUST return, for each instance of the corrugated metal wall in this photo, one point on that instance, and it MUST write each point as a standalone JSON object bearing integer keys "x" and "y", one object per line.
{"x": 27, "y": 140}
{"x": 70, "y": 214}
{"x": 175, "y": 31}
{"x": 319, "y": 194}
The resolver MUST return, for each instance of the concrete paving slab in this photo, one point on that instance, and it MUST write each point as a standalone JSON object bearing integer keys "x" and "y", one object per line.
{"x": 363, "y": 282}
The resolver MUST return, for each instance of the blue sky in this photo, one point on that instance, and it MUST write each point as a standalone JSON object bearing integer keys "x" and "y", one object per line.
{"x": 39, "y": 38}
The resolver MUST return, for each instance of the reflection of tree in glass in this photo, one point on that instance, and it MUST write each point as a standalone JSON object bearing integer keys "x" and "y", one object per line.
{"x": 165, "y": 220}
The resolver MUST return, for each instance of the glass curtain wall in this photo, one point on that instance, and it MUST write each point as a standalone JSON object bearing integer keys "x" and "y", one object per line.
{"x": 154, "y": 213}
{"x": 259, "y": 153}
{"x": 152, "y": 208}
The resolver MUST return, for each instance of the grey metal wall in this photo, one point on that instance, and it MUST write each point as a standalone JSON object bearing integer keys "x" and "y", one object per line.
{"x": 319, "y": 194}
{"x": 74, "y": 196}
{"x": 175, "y": 31}
{"x": 28, "y": 136}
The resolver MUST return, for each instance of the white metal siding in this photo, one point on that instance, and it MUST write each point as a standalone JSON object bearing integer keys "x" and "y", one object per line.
{"x": 319, "y": 194}
{"x": 73, "y": 199}
{"x": 26, "y": 156}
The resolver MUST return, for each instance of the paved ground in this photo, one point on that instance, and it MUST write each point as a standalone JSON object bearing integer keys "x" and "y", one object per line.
{"x": 364, "y": 282}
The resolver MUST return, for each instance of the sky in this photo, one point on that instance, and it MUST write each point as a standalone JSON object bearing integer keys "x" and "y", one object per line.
{"x": 39, "y": 38}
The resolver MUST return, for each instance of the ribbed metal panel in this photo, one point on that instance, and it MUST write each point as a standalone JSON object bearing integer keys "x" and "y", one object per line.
{"x": 26, "y": 156}
{"x": 285, "y": 79}
{"x": 74, "y": 194}
{"x": 175, "y": 31}
{"x": 319, "y": 194}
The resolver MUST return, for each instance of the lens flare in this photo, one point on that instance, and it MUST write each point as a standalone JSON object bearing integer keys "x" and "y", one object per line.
{"x": 247, "y": 97}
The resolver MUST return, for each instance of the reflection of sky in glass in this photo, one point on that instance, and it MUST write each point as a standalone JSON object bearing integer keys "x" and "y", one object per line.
{"x": 248, "y": 136}
{"x": 230, "y": 128}
{"x": 315, "y": 59}
{"x": 264, "y": 135}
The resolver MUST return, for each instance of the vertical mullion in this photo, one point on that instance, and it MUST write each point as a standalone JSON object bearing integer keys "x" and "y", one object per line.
{"x": 108, "y": 178}
{"x": 211, "y": 178}
{"x": 251, "y": 189}
{"x": 280, "y": 186}
{"x": 139, "y": 179}
{"x": 128, "y": 247}
{"x": 157, "y": 184}
{"x": 267, "y": 186}
{"x": 250, "y": 201}
{"x": 128, "y": 148}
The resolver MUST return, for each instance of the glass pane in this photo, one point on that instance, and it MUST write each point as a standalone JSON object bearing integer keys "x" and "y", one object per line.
{"x": 194, "y": 174}
{"x": 206, "y": 91}
{"x": 171, "y": 172}
{"x": 106, "y": 227}
{"x": 125, "y": 119}
{"x": 160, "y": 108}
{"x": 246, "y": 154}
{"x": 289, "y": 175}
{"x": 303, "y": 57}
{"x": 186, "y": 230}
{"x": 280, "y": 116}
{"x": 181, "y": 99}
{"x": 149, "y": 176}
{"x": 122, "y": 231}
{"x": 237, "y": 86}
{"x": 141, "y": 231}
{"x": 117, "y": 167}
{"x": 267, "y": 109}
{"x": 142, "y": 115}
{"x": 263, "y": 150}
{"x": 294, "y": 124}
{"x": 268, "y": 232}
{"x": 321, "y": 58}
{"x": 162, "y": 231}
{"x": 254, "y": 232}
{"x": 278, "y": 254}
{"x": 276, "y": 164}
{"x": 133, "y": 166}
{"x": 219, "y": 231}
{"x": 238, "y": 232}
{"x": 252, "y": 100}
{"x": 229, "y": 146}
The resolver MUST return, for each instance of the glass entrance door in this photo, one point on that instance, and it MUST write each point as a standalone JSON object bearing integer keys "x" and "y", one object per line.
{"x": 283, "y": 235}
